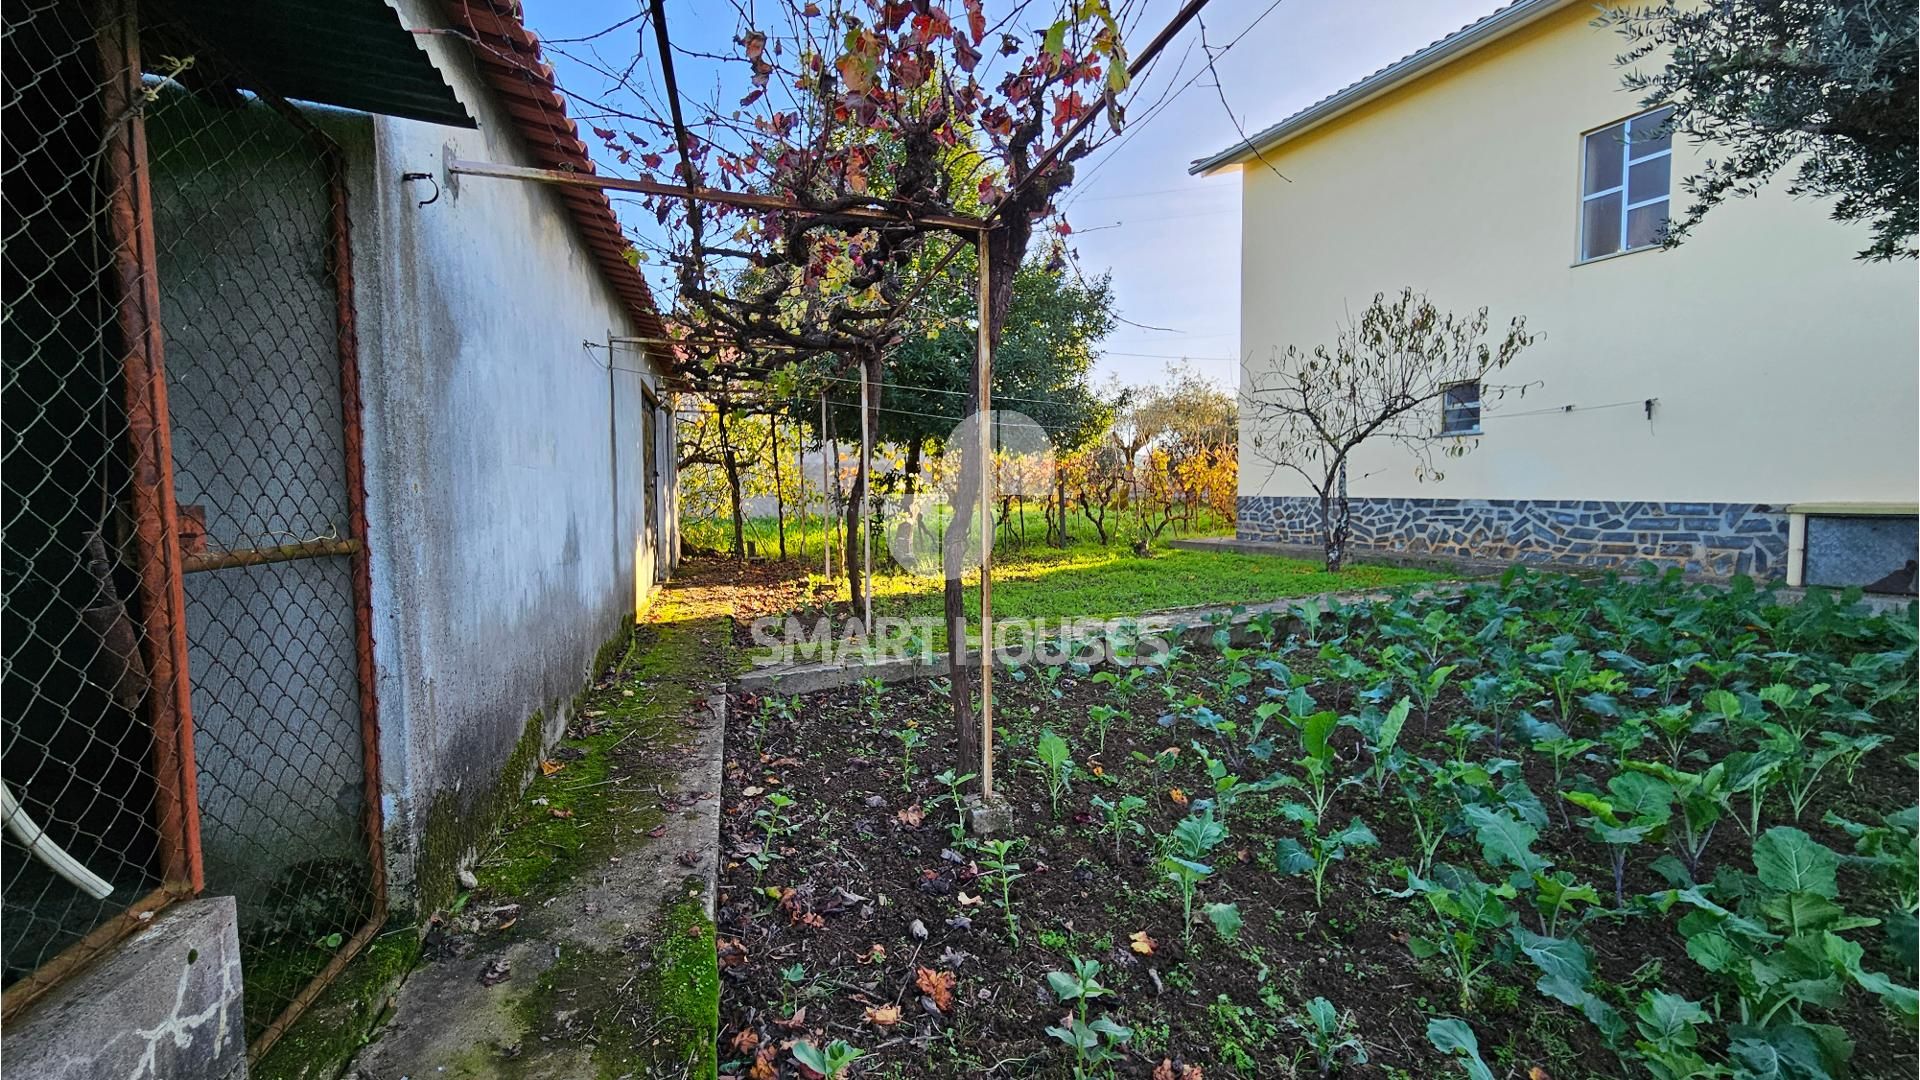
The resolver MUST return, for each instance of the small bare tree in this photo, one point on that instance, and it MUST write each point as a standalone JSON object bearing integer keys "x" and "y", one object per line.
{"x": 1381, "y": 380}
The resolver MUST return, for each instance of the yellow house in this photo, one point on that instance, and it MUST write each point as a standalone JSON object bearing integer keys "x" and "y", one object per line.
{"x": 1745, "y": 402}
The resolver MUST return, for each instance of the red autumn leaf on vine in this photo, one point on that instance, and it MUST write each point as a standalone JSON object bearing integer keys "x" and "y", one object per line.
{"x": 1067, "y": 108}
{"x": 651, "y": 161}
{"x": 932, "y": 25}
{"x": 908, "y": 71}
{"x": 976, "y": 20}
{"x": 965, "y": 55}
{"x": 756, "y": 43}
{"x": 893, "y": 14}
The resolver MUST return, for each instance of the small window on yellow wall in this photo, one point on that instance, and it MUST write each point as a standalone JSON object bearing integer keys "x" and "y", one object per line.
{"x": 1460, "y": 409}
{"x": 1625, "y": 185}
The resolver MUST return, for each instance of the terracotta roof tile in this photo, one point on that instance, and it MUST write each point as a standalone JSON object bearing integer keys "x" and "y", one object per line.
{"x": 508, "y": 57}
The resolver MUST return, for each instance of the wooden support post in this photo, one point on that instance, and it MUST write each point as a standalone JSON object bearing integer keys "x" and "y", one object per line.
{"x": 986, "y": 518}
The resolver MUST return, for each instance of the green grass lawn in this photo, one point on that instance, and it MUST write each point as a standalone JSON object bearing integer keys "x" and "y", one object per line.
{"x": 1096, "y": 582}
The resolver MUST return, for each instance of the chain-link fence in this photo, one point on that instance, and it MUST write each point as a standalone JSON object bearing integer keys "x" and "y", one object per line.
{"x": 187, "y": 645}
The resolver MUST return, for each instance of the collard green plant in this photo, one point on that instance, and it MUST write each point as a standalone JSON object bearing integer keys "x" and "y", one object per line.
{"x": 955, "y": 797}
{"x": 1703, "y": 798}
{"x": 910, "y": 740}
{"x": 1456, "y": 1040}
{"x": 1468, "y": 915}
{"x": 1186, "y": 876}
{"x": 831, "y": 1062}
{"x": 1228, "y": 788}
{"x": 1668, "y": 1027}
{"x": 1097, "y": 1043}
{"x": 1056, "y": 766}
{"x": 1001, "y": 870}
{"x": 1634, "y": 811}
{"x": 1552, "y": 740}
{"x": 1102, "y": 718}
{"x": 1382, "y": 734}
{"x": 1322, "y": 848}
{"x": 1120, "y": 817}
{"x": 1330, "y": 1036}
{"x": 1226, "y": 921}
{"x": 1780, "y": 955}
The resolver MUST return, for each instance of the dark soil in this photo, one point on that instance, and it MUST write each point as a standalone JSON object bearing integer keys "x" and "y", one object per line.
{"x": 856, "y": 872}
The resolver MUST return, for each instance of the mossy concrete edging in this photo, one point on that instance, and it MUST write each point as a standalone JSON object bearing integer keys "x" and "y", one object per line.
{"x": 587, "y": 949}
{"x": 348, "y": 1012}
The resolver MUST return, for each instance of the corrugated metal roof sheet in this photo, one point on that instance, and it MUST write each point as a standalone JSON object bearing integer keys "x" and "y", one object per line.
{"x": 351, "y": 53}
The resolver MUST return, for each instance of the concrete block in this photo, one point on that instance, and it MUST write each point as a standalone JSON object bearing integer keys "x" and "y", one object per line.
{"x": 164, "y": 1005}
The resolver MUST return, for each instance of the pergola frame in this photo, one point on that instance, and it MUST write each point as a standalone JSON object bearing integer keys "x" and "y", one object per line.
{"x": 979, "y": 230}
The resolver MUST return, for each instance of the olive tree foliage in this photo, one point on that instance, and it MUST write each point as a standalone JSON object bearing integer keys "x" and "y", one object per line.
{"x": 1381, "y": 379}
{"x": 1826, "y": 90}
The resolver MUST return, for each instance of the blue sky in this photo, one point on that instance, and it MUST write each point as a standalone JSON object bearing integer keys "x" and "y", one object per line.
{"x": 1171, "y": 241}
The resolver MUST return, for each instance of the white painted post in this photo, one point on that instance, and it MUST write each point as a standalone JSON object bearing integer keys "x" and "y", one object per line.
{"x": 826, "y": 498}
{"x": 986, "y": 520}
{"x": 866, "y": 501}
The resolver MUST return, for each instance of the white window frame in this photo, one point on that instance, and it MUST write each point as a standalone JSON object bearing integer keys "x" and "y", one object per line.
{"x": 1478, "y": 405}
{"x": 1627, "y": 162}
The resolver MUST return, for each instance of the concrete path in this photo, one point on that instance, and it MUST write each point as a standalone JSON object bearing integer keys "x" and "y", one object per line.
{"x": 597, "y": 961}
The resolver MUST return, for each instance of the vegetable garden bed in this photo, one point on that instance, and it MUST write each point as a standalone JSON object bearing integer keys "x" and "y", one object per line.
{"x": 1551, "y": 828}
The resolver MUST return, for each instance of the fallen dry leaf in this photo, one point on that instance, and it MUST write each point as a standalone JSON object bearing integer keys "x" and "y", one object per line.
{"x": 883, "y": 1016}
{"x": 559, "y": 813}
{"x": 549, "y": 767}
{"x": 795, "y": 1022}
{"x": 1537, "y": 1073}
{"x": 497, "y": 972}
{"x": 1142, "y": 944}
{"x": 1177, "y": 796}
{"x": 745, "y": 1040}
{"x": 875, "y": 955}
{"x": 937, "y": 985}
{"x": 748, "y": 793}
{"x": 912, "y": 816}
{"x": 970, "y": 901}
{"x": 731, "y": 952}
{"x": 657, "y": 831}
{"x": 763, "y": 1067}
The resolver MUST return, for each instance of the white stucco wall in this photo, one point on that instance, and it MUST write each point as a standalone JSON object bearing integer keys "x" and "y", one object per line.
{"x": 1784, "y": 369}
{"x": 505, "y": 489}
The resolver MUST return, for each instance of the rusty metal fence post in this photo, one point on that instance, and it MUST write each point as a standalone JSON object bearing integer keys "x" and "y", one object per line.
{"x": 188, "y": 669}
{"x": 96, "y": 737}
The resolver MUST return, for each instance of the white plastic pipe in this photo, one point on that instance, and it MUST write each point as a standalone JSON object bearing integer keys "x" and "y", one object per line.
{"x": 32, "y": 837}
